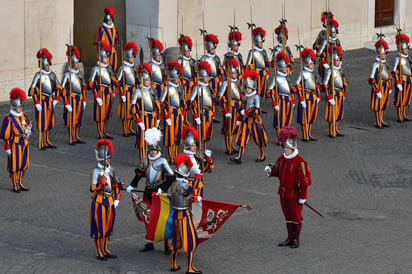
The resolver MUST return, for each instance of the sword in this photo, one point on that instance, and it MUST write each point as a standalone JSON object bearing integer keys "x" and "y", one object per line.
{"x": 314, "y": 210}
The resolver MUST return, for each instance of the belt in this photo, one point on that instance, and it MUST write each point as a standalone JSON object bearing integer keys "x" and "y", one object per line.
{"x": 181, "y": 208}
{"x": 45, "y": 94}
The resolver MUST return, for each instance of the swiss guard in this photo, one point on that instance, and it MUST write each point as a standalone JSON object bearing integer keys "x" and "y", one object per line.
{"x": 250, "y": 122}
{"x": 216, "y": 70}
{"x": 74, "y": 95}
{"x": 402, "y": 77}
{"x": 380, "y": 80}
{"x": 157, "y": 66}
{"x": 15, "y": 132}
{"x": 158, "y": 173}
{"x": 45, "y": 90}
{"x": 233, "y": 44}
{"x": 105, "y": 186}
{"x": 294, "y": 178}
{"x": 102, "y": 82}
{"x": 309, "y": 95}
{"x": 282, "y": 36}
{"x": 108, "y": 32}
{"x": 127, "y": 78}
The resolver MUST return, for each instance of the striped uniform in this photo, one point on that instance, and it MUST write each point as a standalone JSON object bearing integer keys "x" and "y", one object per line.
{"x": 12, "y": 132}
{"x": 109, "y": 34}
{"x": 402, "y": 98}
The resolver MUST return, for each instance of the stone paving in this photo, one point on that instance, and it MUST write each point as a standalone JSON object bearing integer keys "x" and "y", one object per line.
{"x": 361, "y": 183}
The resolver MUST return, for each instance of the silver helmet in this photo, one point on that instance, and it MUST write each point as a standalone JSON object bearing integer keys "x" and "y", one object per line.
{"x": 288, "y": 137}
{"x": 156, "y": 52}
{"x": 16, "y": 103}
{"x": 258, "y": 38}
{"x": 103, "y": 152}
{"x": 210, "y": 45}
{"x": 44, "y": 57}
{"x": 250, "y": 83}
{"x": 183, "y": 164}
{"x": 185, "y": 47}
{"x": 108, "y": 14}
{"x": 190, "y": 136}
{"x": 291, "y": 143}
{"x": 174, "y": 68}
{"x": 17, "y": 97}
{"x": 307, "y": 61}
{"x": 182, "y": 170}
{"x": 204, "y": 67}
{"x": 128, "y": 53}
{"x": 281, "y": 64}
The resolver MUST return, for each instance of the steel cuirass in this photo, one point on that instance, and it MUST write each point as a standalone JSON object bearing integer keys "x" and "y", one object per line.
{"x": 384, "y": 72}
{"x": 309, "y": 82}
{"x": 77, "y": 81}
{"x": 252, "y": 101}
{"x": 405, "y": 65}
{"x": 129, "y": 74}
{"x": 205, "y": 95}
{"x": 235, "y": 90}
{"x": 214, "y": 63}
{"x": 149, "y": 100}
{"x": 157, "y": 73}
{"x": 106, "y": 72}
{"x": 180, "y": 199}
{"x": 188, "y": 66}
{"x": 176, "y": 95}
{"x": 108, "y": 172}
{"x": 48, "y": 80}
{"x": 155, "y": 172}
{"x": 260, "y": 58}
{"x": 282, "y": 82}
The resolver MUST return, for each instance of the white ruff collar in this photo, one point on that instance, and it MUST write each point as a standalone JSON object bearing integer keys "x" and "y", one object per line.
{"x": 405, "y": 56}
{"x": 188, "y": 152}
{"x": 257, "y": 48}
{"x": 129, "y": 64}
{"x": 107, "y": 25}
{"x": 203, "y": 84}
{"x": 293, "y": 155}
{"x": 173, "y": 84}
{"x": 15, "y": 113}
{"x": 379, "y": 59}
{"x": 251, "y": 94}
{"x": 187, "y": 58}
{"x": 156, "y": 63}
{"x": 337, "y": 68}
{"x": 210, "y": 55}
{"x": 155, "y": 157}
{"x": 45, "y": 72}
{"x": 308, "y": 69}
{"x": 281, "y": 73}
{"x": 103, "y": 65}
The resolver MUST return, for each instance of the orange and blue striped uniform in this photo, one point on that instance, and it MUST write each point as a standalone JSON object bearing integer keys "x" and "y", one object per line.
{"x": 110, "y": 35}
{"x": 379, "y": 105}
{"x": 12, "y": 134}
{"x": 229, "y": 123}
{"x": 251, "y": 125}
{"x": 124, "y": 110}
{"x": 172, "y": 137}
{"x": 340, "y": 95}
{"x": 206, "y": 122}
{"x": 306, "y": 117}
{"x": 402, "y": 98}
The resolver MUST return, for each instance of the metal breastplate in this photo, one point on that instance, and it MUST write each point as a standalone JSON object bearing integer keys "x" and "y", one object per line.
{"x": 187, "y": 68}
{"x": 310, "y": 80}
{"x": 98, "y": 173}
{"x": 259, "y": 60}
{"x": 129, "y": 75}
{"x": 106, "y": 77}
{"x": 206, "y": 96}
{"x": 384, "y": 72}
{"x": 283, "y": 85}
{"x": 235, "y": 90}
{"x": 157, "y": 74}
{"x": 338, "y": 79}
{"x": 406, "y": 66}
{"x": 252, "y": 101}
{"x": 46, "y": 84}
{"x": 154, "y": 173}
{"x": 213, "y": 65}
{"x": 76, "y": 84}
{"x": 175, "y": 94}
{"x": 180, "y": 201}
{"x": 149, "y": 99}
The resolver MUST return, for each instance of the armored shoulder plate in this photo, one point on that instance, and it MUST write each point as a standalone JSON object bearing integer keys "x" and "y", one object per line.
{"x": 76, "y": 83}
{"x": 129, "y": 74}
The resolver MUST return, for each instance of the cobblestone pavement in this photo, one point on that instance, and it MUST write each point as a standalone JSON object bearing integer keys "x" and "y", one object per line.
{"x": 361, "y": 183}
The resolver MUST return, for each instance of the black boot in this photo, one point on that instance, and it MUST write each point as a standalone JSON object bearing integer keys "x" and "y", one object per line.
{"x": 147, "y": 247}
{"x": 295, "y": 236}
{"x": 286, "y": 242}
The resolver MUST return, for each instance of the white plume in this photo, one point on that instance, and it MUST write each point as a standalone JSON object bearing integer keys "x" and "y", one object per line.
{"x": 152, "y": 136}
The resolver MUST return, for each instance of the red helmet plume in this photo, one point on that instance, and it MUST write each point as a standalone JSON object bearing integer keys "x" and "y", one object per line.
{"x": 403, "y": 37}
{"x": 258, "y": 30}
{"x": 146, "y": 67}
{"x": 212, "y": 38}
{"x": 235, "y": 63}
{"x": 17, "y": 93}
{"x": 286, "y": 133}
{"x": 205, "y": 65}
{"x": 182, "y": 158}
{"x": 154, "y": 43}
{"x": 189, "y": 130}
{"x": 235, "y": 35}
{"x": 132, "y": 45}
{"x": 250, "y": 74}
{"x": 174, "y": 64}
{"x": 336, "y": 49}
{"x": 74, "y": 50}
{"x": 187, "y": 40}
{"x": 279, "y": 30}
{"x": 324, "y": 15}
{"x": 383, "y": 43}
{"x": 334, "y": 22}
{"x": 108, "y": 143}
{"x": 109, "y": 10}
{"x": 104, "y": 45}
{"x": 306, "y": 52}
{"x": 282, "y": 55}
{"x": 45, "y": 53}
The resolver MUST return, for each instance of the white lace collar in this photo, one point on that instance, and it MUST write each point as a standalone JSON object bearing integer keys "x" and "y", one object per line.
{"x": 292, "y": 155}
{"x": 15, "y": 113}
{"x": 107, "y": 25}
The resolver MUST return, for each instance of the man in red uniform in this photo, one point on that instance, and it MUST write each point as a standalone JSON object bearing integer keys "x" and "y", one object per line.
{"x": 294, "y": 179}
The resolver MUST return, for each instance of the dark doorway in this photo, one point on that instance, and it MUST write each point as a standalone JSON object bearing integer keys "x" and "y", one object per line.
{"x": 384, "y": 12}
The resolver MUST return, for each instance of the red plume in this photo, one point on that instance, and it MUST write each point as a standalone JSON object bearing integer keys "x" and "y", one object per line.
{"x": 286, "y": 133}
{"x": 258, "y": 30}
{"x": 131, "y": 45}
{"x": 45, "y": 53}
{"x": 250, "y": 74}
{"x": 189, "y": 129}
{"x": 212, "y": 37}
{"x": 306, "y": 52}
{"x": 282, "y": 55}
{"x": 336, "y": 49}
{"x": 335, "y": 23}
{"x": 236, "y": 35}
{"x": 17, "y": 93}
{"x": 187, "y": 40}
{"x": 174, "y": 64}
{"x": 146, "y": 67}
{"x": 324, "y": 15}
{"x": 235, "y": 63}
{"x": 279, "y": 29}
{"x": 74, "y": 50}
{"x": 403, "y": 37}
{"x": 182, "y": 158}
{"x": 383, "y": 43}
{"x": 205, "y": 65}
{"x": 108, "y": 143}
{"x": 154, "y": 43}
{"x": 110, "y": 11}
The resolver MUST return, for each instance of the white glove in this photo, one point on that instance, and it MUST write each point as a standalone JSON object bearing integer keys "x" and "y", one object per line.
{"x": 141, "y": 125}
{"x": 302, "y": 201}
{"x": 114, "y": 95}
{"x": 326, "y": 66}
{"x": 183, "y": 118}
{"x": 318, "y": 100}
{"x": 276, "y": 108}
{"x": 390, "y": 91}
{"x": 268, "y": 170}
{"x": 69, "y": 108}
{"x": 38, "y": 107}
{"x": 303, "y": 103}
{"x": 123, "y": 99}
{"x": 129, "y": 189}
{"x": 332, "y": 102}
{"x": 228, "y": 115}
{"x": 55, "y": 103}
{"x": 399, "y": 87}
{"x": 238, "y": 123}
{"x": 293, "y": 105}
{"x": 379, "y": 95}
{"x": 242, "y": 112}
{"x": 99, "y": 101}
{"x": 169, "y": 122}
{"x": 116, "y": 203}
{"x": 197, "y": 121}
{"x": 84, "y": 105}
{"x": 8, "y": 151}
{"x": 208, "y": 152}
{"x": 159, "y": 190}
{"x": 199, "y": 199}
